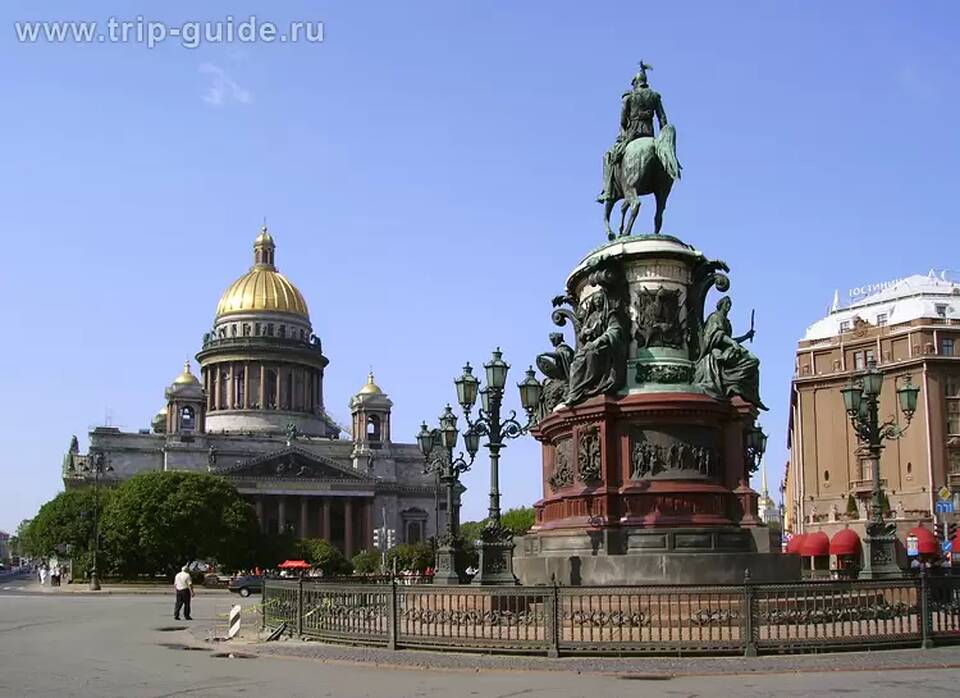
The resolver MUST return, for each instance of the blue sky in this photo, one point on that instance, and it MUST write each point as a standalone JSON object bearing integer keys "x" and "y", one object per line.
{"x": 429, "y": 171}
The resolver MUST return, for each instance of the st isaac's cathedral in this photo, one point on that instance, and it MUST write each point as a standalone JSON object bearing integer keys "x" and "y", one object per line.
{"x": 255, "y": 415}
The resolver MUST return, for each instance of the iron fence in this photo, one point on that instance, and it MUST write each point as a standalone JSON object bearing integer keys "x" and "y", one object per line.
{"x": 732, "y": 619}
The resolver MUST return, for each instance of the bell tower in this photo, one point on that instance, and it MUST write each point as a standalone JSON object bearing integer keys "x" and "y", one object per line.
{"x": 370, "y": 409}
{"x": 186, "y": 414}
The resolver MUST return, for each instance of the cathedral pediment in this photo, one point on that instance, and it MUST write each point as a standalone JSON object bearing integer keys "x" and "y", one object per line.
{"x": 291, "y": 463}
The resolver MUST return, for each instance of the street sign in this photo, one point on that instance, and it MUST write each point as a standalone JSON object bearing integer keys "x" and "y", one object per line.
{"x": 944, "y": 494}
{"x": 913, "y": 546}
{"x": 947, "y": 546}
{"x": 944, "y": 507}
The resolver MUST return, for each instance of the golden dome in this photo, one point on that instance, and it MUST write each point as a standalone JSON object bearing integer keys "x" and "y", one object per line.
{"x": 262, "y": 288}
{"x": 370, "y": 388}
{"x": 186, "y": 378}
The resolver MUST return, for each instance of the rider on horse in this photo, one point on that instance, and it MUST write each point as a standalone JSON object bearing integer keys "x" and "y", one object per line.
{"x": 636, "y": 121}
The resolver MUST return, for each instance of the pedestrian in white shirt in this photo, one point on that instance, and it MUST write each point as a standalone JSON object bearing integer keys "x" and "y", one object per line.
{"x": 183, "y": 585}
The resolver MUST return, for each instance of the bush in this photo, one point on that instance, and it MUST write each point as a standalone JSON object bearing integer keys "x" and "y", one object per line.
{"x": 366, "y": 562}
{"x": 410, "y": 556}
{"x": 321, "y": 553}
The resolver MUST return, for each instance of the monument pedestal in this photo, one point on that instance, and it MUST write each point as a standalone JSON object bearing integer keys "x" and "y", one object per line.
{"x": 646, "y": 483}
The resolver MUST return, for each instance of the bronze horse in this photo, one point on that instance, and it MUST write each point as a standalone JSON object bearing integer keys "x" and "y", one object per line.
{"x": 648, "y": 166}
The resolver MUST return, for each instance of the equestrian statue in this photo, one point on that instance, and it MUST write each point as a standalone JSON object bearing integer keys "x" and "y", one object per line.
{"x": 639, "y": 163}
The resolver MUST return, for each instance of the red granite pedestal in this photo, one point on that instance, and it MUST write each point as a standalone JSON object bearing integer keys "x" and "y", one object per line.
{"x": 647, "y": 488}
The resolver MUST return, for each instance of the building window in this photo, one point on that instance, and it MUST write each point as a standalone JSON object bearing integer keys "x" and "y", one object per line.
{"x": 233, "y": 330}
{"x": 414, "y": 532}
{"x": 941, "y": 309}
{"x": 858, "y": 361}
{"x": 952, "y": 386}
{"x": 246, "y": 329}
{"x": 955, "y": 462}
{"x": 257, "y": 329}
{"x": 269, "y": 329}
{"x": 845, "y": 326}
{"x": 186, "y": 419}
{"x": 946, "y": 346}
{"x": 953, "y": 417}
{"x": 283, "y": 330}
{"x": 255, "y": 387}
{"x": 869, "y": 357}
{"x": 881, "y": 319}
{"x": 270, "y": 388}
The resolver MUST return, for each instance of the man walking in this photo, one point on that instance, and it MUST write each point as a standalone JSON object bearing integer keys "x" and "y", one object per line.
{"x": 183, "y": 585}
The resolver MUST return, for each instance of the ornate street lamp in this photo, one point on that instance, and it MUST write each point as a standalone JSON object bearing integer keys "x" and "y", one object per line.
{"x": 437, "y": 447}
{"x": 496, "y": 543}
{"x": 756, "y": 446}
{"x": 861, "y": 400}
{"x": 96, "y": 464}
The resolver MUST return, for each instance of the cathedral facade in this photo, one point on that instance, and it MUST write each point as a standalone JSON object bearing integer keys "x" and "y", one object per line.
{"x": 254, "y": 414}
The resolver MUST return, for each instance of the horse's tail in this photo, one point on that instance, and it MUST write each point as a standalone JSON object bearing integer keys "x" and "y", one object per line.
{"x": 667, "y": 151}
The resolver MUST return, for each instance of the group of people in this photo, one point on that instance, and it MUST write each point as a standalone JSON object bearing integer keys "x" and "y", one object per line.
{"x": 54, "y": 573}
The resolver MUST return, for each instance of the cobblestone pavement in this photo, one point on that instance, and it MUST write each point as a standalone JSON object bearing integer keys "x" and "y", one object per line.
{"x": 125, "y": 645}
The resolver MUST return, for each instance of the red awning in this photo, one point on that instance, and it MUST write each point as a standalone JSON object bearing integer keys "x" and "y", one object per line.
{"x": 793, "y": 545}
{"x": 294, "y": 565}
{"x": 926, "y": 541}
{"x": 956, "y": 540}
{"x": 815, "y": 545}
{"x": 845, "y": 542}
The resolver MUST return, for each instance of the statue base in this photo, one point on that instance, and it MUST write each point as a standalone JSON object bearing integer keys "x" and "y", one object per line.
{"x": 629, "y": 556}
{"x": 647, "y": 482}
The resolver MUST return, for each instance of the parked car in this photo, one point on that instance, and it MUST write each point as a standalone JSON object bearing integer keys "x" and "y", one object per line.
{"x": 246, "y": 585}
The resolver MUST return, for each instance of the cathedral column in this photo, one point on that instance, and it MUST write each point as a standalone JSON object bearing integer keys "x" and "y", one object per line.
{"x": 368, "y": 525}
{"x": 216, "y": 386}
{"x": 261, "y": 396}
{"x": 258, "y": 503}
{"x": 279, "y": 383}
{"x": 281, "y": 514}
{"x": 304, "y": 511}
{"x": 231, "y": 388}
{"x": 348, "y": 527}
{"x": 246, "y": 386}
{"x": 325, "y": 518}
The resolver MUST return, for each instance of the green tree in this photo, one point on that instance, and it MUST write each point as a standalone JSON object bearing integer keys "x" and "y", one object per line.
{"x": 410, "y": 556}
{"x": 274, "y": 548}
{"x": 65, "y": 523}
{"x": 518, "y": 521}
{"x": 321, "y": 553}
{"x": 366, "y": 562}
{"x": 157, "y": 522}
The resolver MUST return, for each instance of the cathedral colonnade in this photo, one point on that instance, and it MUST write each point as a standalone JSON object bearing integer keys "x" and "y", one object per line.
{"x": 346, "y": 521}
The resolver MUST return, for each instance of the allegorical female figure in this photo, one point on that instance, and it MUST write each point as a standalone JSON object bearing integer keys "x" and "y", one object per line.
{"x": 725, "y": 368}
{"x": 599, "y": 365}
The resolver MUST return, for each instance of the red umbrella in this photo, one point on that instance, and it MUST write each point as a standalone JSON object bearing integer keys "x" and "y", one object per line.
{"x": 294, "y": 565}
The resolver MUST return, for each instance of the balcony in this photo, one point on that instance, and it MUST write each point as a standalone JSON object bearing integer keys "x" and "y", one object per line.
{"x": 263, "y": 341}
{"x": 865, "y": 486}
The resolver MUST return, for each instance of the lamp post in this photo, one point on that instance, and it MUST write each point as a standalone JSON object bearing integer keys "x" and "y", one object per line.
{"x": 437, "y": 446}
{"x": 861, "y": 400}
{"x": 97, "y": 465}
{"x": 496, "y": 543}
{"x": 756, "y": 446}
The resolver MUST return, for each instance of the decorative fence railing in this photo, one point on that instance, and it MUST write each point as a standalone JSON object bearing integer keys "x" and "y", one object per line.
{"x": 552, "y": 620}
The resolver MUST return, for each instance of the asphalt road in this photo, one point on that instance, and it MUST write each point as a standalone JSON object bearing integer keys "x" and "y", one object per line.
{"x": 79, "y": 645}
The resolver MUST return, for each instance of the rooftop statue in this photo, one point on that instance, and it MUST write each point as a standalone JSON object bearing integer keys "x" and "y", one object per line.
{"x": 639, "y": 163}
